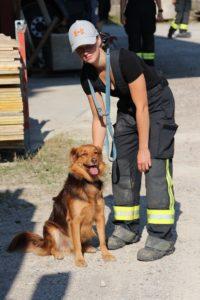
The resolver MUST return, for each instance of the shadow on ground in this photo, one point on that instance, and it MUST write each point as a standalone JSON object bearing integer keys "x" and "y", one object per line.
{"x": 52, "y": 286}
{"x": 36, "y": 136}
{"x": 15, "y": 216}
{"x": 177, "y": 58}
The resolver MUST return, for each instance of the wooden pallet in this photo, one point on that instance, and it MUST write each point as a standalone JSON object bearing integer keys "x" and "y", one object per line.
{"x": 11, "y": 96}
{"x": 12, "y": 119}
{"x": 14, "y": 106}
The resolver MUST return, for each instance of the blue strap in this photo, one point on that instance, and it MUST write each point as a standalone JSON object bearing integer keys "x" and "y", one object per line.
{"x": 112, "y": 154}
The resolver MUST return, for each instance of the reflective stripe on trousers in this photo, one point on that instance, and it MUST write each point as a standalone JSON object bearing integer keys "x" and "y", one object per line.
{"x": 174, "y": 25}
{"x": 179, "y": 26}
{"x": 146, "y": 55}
{"x": 124, "y": 213}
{"x": 156, "y": 216}
{"x": 183, "y": 27}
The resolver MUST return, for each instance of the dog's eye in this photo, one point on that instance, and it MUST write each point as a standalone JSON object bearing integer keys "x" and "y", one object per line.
{"x": 83, "y": 154}
{"x": 95, "y": 152}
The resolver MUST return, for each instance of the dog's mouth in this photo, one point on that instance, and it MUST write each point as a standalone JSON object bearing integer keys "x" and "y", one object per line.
{"x": 92, "y": 169}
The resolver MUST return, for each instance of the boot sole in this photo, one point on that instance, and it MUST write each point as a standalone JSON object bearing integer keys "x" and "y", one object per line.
{"x": 166, "y": 254}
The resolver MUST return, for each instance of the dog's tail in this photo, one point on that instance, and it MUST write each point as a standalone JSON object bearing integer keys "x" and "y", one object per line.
{"x": 29, "y": 242}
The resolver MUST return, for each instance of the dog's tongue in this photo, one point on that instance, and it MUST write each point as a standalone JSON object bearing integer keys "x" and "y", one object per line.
{"x": 94, "y": 171}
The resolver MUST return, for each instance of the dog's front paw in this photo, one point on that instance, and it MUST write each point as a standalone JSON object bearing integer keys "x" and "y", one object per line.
{"x": 59, "y": 255}
{"x": 108, "y": 257}
{"x": 80, "y": 262}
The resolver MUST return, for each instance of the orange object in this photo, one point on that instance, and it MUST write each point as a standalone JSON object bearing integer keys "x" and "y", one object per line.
{"x": 21, "y": 30}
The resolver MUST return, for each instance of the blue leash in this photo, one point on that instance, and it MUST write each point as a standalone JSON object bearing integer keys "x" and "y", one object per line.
{"x": 112, "y": 154}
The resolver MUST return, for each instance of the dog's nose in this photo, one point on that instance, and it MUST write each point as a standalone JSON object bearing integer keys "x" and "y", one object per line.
{"x": 94, "y": 160}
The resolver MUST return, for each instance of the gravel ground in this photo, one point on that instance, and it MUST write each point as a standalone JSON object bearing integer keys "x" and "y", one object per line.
{"x": 57, "y": 104}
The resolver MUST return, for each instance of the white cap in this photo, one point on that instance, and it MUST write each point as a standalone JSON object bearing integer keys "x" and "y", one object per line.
{"x": 82, "y": 33}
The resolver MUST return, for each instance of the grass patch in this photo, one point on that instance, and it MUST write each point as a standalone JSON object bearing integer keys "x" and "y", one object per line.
{"x": 48, "y": 167}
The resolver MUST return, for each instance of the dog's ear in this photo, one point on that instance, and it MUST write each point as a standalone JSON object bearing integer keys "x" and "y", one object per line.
{"x": 73, "y": 155}
{"x": 99, "y": 149}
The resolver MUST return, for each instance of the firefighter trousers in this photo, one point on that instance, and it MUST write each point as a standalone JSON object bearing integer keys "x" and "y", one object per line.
{"x": 140, "y": 27}
{"x": 126, "y": 179}
{"x": 181, "y": 21}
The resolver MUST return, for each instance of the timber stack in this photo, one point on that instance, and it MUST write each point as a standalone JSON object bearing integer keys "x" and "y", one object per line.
{"x": 11, "y": 95}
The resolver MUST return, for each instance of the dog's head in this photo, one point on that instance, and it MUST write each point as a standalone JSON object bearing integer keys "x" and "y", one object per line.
{"x": 87, "y": 162}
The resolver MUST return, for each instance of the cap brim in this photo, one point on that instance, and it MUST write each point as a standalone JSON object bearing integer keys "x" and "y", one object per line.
{"x": 84, "y": 41}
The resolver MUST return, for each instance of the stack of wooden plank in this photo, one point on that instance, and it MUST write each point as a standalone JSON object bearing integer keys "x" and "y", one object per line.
{"x": 11, "y": 100}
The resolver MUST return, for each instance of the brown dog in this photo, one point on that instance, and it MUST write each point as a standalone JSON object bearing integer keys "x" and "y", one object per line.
{"x": 79, "y": 204}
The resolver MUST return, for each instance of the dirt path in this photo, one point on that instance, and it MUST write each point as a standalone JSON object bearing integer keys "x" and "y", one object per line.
{"x": 177, "y": 276}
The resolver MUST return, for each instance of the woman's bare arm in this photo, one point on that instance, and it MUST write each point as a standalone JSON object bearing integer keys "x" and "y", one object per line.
{"x": 139, "y": 97}
{"x": 160, "y": 14}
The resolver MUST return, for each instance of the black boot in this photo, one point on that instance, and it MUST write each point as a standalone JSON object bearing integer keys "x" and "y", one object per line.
{"x": 171, "y": 32}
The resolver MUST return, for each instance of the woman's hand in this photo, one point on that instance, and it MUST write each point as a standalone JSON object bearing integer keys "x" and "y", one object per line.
{"x": 143, "y": 160}
{"x": 159, "y": 17}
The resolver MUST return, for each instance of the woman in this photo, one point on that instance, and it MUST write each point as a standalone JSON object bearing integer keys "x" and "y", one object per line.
{"x": 143, "y": 136}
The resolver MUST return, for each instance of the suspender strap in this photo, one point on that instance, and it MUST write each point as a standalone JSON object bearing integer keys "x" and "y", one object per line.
{"x": 96, "y": 102}
{"x": 112, "y": 154}
{"x": 120, "y": 82}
